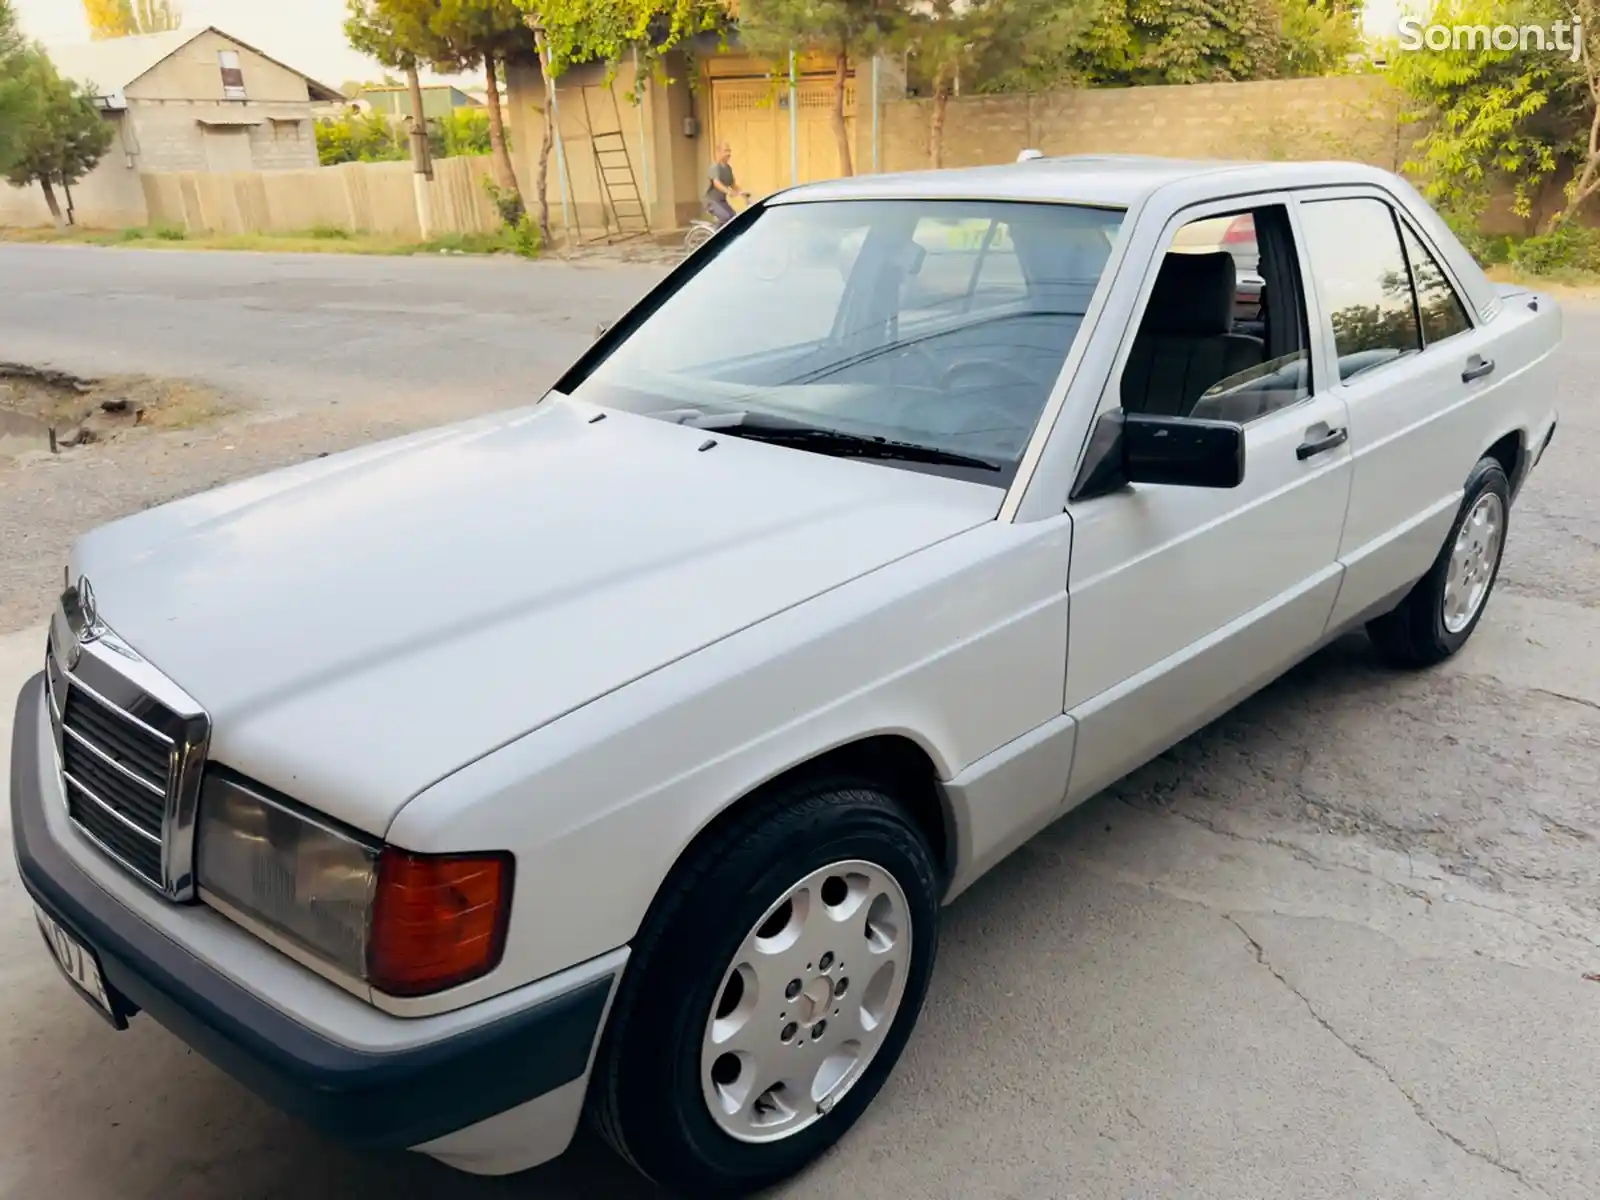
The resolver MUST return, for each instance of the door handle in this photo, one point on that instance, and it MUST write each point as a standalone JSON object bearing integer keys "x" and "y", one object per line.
{"x": 1477, "y": 367}
{"x": 1327, "y": 441}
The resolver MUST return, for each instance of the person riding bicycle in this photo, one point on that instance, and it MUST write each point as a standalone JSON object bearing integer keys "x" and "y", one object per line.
{"x": 721, "y": 189}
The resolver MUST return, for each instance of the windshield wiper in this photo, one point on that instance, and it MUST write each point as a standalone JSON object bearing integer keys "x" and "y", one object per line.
{"x": 760, "y": 428}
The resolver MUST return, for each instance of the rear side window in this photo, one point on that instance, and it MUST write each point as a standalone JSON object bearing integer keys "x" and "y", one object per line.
{"x": 1443, "y": 314}
{"x": 1362, "y": 277}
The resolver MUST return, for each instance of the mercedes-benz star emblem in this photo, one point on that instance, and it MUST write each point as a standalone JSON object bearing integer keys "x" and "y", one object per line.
{"x": 86, "y": 610}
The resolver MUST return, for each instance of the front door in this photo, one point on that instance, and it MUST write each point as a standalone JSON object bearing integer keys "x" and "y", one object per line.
{"x": 1185, "y": 600}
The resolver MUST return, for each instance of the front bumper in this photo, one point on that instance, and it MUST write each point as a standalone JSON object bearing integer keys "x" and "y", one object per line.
{"x": 414, "y": 1095}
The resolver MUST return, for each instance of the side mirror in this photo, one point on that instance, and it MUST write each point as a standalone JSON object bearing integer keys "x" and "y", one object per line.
{"x": 1178, "y": 451}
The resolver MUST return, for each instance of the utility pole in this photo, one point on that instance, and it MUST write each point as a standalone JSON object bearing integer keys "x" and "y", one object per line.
{"x": 421, "y": 153}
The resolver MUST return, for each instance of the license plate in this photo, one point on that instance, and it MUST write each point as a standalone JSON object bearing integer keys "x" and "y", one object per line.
{"x": 79, "y": 965}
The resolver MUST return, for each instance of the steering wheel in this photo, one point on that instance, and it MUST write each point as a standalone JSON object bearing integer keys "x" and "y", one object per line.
{"x": 986, "y": 369}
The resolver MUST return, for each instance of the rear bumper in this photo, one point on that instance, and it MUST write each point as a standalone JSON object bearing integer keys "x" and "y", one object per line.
{"x": 435, "y": 1080}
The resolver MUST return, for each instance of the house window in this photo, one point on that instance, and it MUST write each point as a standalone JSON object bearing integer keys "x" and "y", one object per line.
{"x": 232, "y": 76}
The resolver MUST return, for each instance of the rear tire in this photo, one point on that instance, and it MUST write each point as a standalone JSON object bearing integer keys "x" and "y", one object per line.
{"x": 830, "y": 873}
{"x": 1439, "y": 614}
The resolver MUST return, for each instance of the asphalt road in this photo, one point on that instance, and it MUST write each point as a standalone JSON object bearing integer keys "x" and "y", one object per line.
{"x": 1332, "y": 946}
{"x": 290, "y": 330}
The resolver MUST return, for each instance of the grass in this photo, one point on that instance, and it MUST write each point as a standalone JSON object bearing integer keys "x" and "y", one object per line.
{"x": 323, "y": 239}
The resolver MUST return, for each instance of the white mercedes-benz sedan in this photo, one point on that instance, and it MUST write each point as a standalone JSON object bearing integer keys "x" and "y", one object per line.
{"x": 617, "y": 754}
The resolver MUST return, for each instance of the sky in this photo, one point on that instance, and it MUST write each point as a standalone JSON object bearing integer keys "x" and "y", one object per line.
{"x": 307, "y": 35}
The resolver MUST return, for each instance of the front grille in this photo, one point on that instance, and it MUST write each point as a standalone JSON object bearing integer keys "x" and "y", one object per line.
{"x": 130, "y": 748}
{"x": 117, "y": 772}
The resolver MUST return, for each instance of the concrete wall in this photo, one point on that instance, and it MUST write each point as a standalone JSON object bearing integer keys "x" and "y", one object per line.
{"x": 370, "y": 197}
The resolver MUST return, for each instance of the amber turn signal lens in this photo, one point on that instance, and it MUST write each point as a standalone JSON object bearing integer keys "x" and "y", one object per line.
{"x": 437, "y": 920}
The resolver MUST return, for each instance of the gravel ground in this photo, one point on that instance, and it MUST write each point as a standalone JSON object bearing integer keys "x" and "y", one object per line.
{"x": 1338, "y": 944}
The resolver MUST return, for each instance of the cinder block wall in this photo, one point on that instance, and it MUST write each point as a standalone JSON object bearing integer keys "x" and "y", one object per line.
{"x": 1349, "y": 117}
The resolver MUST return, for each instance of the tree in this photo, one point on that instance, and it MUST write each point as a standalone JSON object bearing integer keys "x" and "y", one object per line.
{"x": 989, "y": 42}
{"x": 1124, "y": 43}
{"x": 61, "y": 135}
{"x": 14, "y": 97}
{"x": 1319, "y": 37}
{"x": 127, "y": 18}
{"x": 398, "y": 34}
{"x": 569, "y": 33}
{"x": 1492, "y": 114}
{"x": 484, "y": 33}
{"x": 845, "y": 29}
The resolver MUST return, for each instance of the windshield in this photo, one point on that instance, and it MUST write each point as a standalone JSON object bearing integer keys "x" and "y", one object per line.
{"x": 925, "y": 333}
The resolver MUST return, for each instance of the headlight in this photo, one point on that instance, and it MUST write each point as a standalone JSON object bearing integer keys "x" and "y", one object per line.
{"x": 408, "y": 924}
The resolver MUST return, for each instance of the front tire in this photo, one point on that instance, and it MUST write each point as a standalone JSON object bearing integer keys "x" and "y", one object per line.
{"x": 1438, "y": 615}
{"x": 697, "y": 236}
{"x": 771, "y": 992}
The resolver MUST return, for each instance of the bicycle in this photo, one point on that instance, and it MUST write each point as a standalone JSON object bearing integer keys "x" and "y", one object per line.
{"x": 701, "y": 231}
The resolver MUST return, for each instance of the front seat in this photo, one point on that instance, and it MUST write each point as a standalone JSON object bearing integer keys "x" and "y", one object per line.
{"x": 1186, "y": 341}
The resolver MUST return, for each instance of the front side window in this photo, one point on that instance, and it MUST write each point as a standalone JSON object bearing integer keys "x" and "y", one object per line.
{"x": 926, "y": 334}
{"x": 1361, "y": 272}
{"x": 1443, "y": 315}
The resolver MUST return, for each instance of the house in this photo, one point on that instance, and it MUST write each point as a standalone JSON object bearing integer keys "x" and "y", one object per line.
{"x": 621, "y": 157}
{"x": 189, "y": 100}
{"x": 438, "y": 100}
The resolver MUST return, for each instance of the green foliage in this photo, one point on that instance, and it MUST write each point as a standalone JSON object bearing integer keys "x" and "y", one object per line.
{"x": 851, "y": 27}
{"x": 1317, "y": 37}
{"x": 13, "y": 89}
{"x": 360, "y": 137}
{"x": 1493, "y": 114}
{"x": 464, "y": 132}
{"x": 1567, "y": 247}
{"x": 524, "y": 237}
{"x": 398, "y": 33}
{"x": 59, "y": 135}
{"x": 469, "y": 30}
{"x": 1128, "y": 43}
{"x": 507, "y": 202}
{"x": 605, "y": 31}
{"x": 169, "y": 233}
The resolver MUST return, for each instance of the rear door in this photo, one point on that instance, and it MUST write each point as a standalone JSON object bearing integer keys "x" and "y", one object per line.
{"x": 1416, "y": 374}
{"x": 1185, "y": 600}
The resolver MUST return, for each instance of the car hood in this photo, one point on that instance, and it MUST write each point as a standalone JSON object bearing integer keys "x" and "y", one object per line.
{"x": 362, "y": 625}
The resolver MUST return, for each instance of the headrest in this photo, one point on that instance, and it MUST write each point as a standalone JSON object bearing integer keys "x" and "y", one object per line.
{"x": 1193, "y": 295}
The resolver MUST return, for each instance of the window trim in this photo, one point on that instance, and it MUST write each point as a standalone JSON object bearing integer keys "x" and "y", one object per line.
{"x": 1367, "y": 192}
{"x": 1111, "y": 387}
{"x": 1416, "y": 299}
{"x": 231, "y": 91}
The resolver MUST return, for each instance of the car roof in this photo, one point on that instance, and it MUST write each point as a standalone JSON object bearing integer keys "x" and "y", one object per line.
{"x": 1105, "y": 180}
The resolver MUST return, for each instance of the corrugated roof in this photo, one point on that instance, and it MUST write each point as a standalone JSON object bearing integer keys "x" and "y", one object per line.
{"x": 111, "y": 65}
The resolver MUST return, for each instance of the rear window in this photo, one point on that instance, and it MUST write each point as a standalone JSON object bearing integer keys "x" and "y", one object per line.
{"x": 938, "y": 323}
